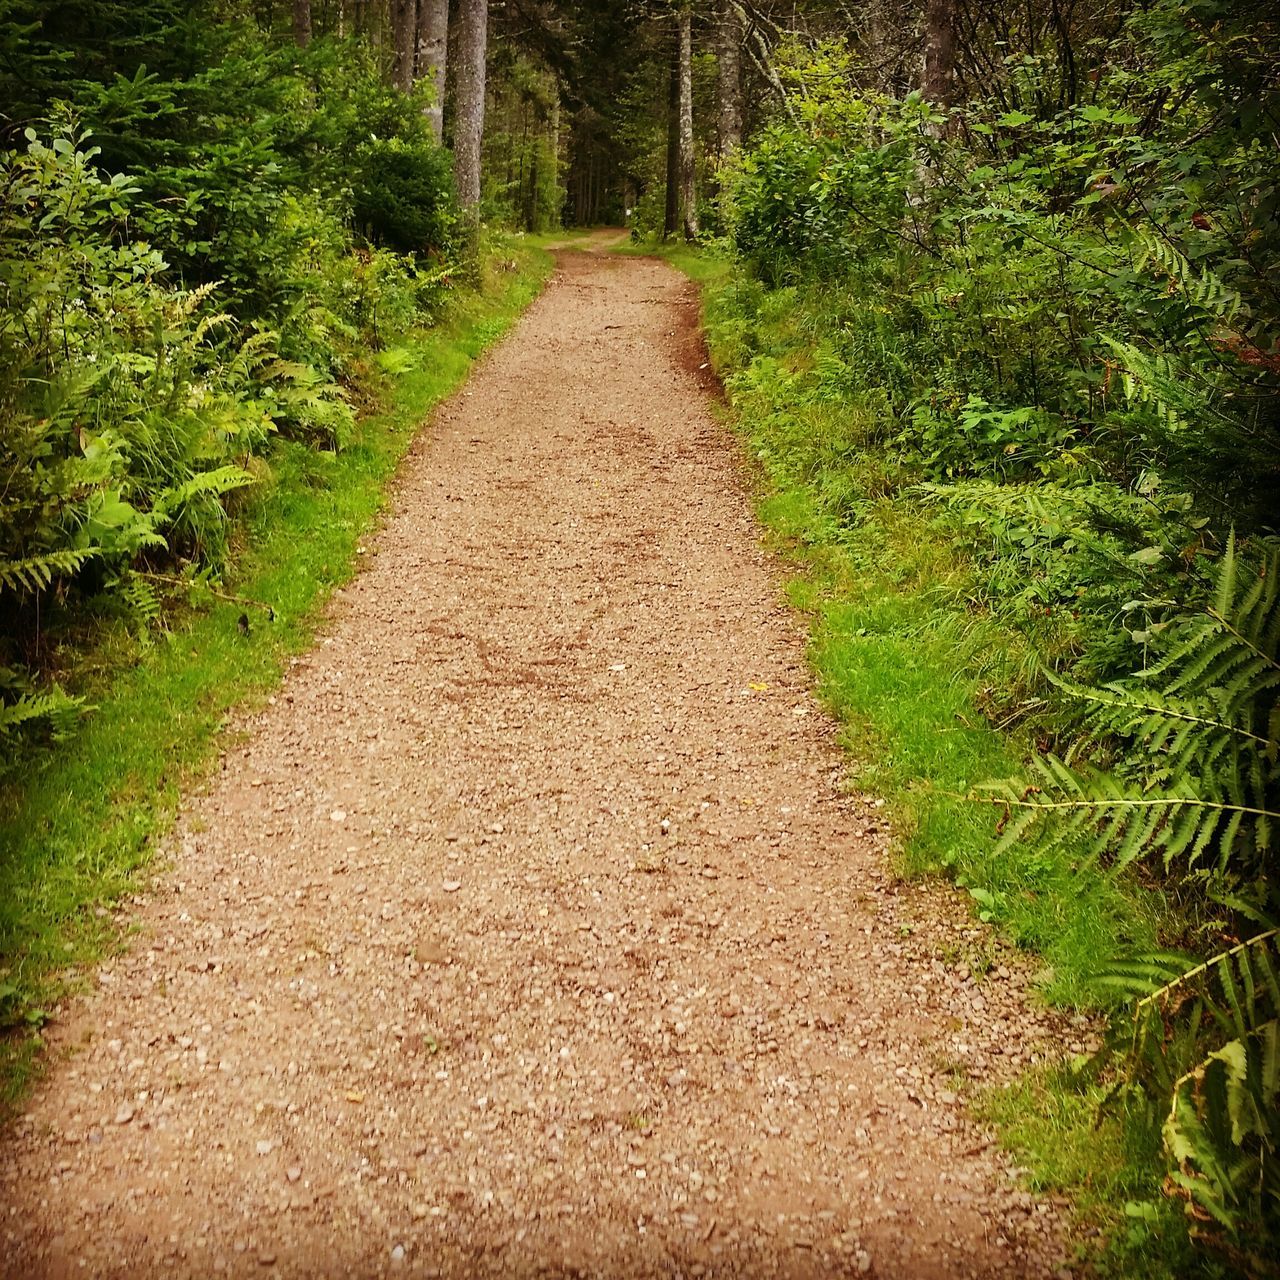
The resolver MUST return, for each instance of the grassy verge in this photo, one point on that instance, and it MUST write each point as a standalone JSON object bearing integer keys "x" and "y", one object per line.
{"x": 931, "y": 692}
{"x": 1059, "y": 1130}
{"x": 77, "y": 830}
{"x": 914, "y": 669}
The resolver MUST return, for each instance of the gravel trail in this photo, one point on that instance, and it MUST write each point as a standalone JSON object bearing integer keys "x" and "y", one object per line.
{"x": 529, "y": 930}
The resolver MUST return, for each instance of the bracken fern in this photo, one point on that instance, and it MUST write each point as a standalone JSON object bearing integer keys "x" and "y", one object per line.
{"x": 1202, "y": 781}
{"x": 1198, "y": 787}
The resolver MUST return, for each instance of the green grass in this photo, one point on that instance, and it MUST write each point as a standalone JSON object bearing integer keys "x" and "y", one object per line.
{"x": 1102, "y": 1160}
{"x": 79, "y": 830}
{"x": 920, "y": 676}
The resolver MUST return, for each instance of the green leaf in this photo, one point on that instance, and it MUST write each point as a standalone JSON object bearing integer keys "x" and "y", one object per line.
{"x": 1148, "y": 555}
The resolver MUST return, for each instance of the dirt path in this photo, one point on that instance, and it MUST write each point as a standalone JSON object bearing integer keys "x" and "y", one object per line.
{"x": 529, "y": 932}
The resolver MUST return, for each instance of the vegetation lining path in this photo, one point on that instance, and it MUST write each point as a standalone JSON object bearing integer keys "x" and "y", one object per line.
{"x": 530, "y": 930}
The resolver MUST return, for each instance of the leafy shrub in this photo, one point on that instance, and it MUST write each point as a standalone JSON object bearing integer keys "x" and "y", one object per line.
{"x": 404, "y": 195}
{"x": 117, "y": 434}
{"x": 128, "y": 408}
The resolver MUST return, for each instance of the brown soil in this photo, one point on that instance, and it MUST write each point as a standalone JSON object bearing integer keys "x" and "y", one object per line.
{"x": 531, "y": 932}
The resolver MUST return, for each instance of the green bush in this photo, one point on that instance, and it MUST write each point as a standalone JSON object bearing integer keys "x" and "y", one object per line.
{"x": 404, "y": 197}
{"x": 213, "y": 271}
{"x": 130, "y": 407}
{"x": 124, "y": 401}
{"x": 1062, "y": 325}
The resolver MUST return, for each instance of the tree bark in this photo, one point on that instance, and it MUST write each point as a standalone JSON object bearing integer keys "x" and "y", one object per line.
{"x": 671, "y": 219}
{"x": 728, "y": 78}
{"x": 938, "y": 75}
{"x": 688, "y": 173}
{"x": 468, "y": 130}
{"x": 404, "y": 23}
{"x": 302, "y": 22}
{"x": 433, "y": 55}
{"x": 557, "y": 191}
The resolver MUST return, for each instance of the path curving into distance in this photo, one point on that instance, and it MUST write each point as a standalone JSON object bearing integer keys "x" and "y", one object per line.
{"x": 528, "y": 931}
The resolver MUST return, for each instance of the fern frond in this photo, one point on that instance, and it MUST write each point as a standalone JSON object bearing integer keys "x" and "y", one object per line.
{"x": 1200, "y": 285}
{"x": 1252, "y": 968}
{"x": 215, "y": 482}
{"x": 53, "y": 710}
{"x": 1222, "y": 1135}
{"x": 142, "y": 601}
{"x": 189, "y": 303}
{"x": 1151, "y": 716}
{"x": 222, "y": 320}
{"x": 34, "y": 573}
{"x": 1141, "y": 975}
{"x": 1154, "y": 379}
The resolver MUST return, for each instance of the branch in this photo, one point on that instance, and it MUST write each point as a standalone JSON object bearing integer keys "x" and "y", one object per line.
{"x": 762, "y": 60}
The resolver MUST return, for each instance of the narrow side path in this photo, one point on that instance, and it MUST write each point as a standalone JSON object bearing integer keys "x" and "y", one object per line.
{"x": 527, "y": 932}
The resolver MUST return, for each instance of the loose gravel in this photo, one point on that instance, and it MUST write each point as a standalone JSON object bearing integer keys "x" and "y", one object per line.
{"x": 530, "y": 930}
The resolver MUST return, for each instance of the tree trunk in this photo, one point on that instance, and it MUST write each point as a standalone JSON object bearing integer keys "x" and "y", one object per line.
{"x": 302, "y": 22}
{"x": 404, "y": 23}
{"x": 671, "y": 220}
{"x": 728, "y": 78}
{"x": 468, "y": 130}
{"x": 557, "y": 191}
{"x": 938, "y": 76}
{"x": 433, "y": 53}
{"x": 688, "y": 190}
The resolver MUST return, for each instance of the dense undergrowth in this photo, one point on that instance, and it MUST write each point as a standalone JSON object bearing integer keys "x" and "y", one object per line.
{"x": 210, "y": 241}
{"x": 1011, "y": 372}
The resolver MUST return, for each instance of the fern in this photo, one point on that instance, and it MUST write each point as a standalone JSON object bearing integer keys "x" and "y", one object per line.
{"x": 1159, "y": 381}
{"x": 1223, "y": 1139}
{"x": 395, "y": 362}
{"x": 34, "y": 573}
{"x": 142, "y": 602}
{"x": 1199, "y": 787}
{"x": 1201, "y": 286}
{"x": 1204, "y": 781}
{"x": 313, "y": 402}
{"x": 50, "y": 713}
{"x": 1205, "y": 1006}
{"x": 209, "y": 325}
{"x": 214, "y": 482}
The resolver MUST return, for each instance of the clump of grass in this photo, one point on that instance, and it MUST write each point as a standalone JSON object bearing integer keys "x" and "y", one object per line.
{"x": 77, "y": 829}
{"x": 1055, "y": 1125}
